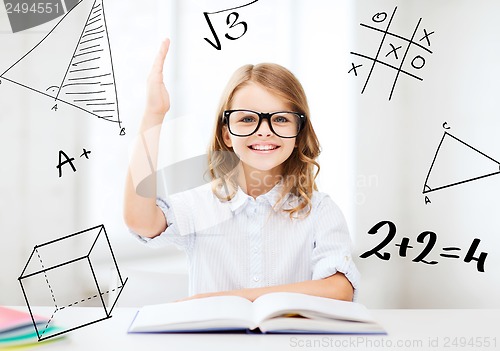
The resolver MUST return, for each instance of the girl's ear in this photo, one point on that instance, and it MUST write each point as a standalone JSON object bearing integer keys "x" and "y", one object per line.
{"x": 226, "y": 137}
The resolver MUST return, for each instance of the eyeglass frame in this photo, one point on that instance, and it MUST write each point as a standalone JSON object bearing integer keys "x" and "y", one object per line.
{"x": 264, "y": 115}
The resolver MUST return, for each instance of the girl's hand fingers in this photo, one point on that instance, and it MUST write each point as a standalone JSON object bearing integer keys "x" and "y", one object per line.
{"x": 157, "y": 69}
{"x": 160, "y": 58}
{"x": 158, "y": 100}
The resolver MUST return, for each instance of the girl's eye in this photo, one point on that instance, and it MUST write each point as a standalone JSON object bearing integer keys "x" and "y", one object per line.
{"x": 248, "y": 119}
{"x": 280, "y": 119}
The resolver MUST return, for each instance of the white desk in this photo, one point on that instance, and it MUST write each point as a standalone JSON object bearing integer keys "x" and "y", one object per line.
{"x": 407, "y": 330}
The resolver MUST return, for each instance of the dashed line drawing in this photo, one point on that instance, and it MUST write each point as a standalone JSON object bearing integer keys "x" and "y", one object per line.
{"x": 46, "y": 328}
{"x": 73, "y": 64}
{"x": 46, "y": 278}
{"x": 387, "y": 53}
{"x": 457, "y": 162}
{"x": 48, "y": 268}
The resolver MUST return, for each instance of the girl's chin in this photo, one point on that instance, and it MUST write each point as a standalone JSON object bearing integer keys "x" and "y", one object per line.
{"x": 261, "y": 167}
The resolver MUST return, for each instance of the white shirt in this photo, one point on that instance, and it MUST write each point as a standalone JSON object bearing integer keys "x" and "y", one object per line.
{"x": 246, "y": 243}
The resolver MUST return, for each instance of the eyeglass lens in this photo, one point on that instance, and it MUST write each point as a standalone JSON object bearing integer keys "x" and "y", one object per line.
{"x": 284, "y": 124}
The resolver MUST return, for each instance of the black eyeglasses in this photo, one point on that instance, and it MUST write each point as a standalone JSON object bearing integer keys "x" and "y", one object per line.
{"x": 284, "y": 124}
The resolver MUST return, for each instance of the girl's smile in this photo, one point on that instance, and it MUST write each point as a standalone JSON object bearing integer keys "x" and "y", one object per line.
{"x": 263, "y": 147}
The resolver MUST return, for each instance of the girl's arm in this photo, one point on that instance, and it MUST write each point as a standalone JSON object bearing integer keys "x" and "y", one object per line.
{"x": 140, "y": 213}
{"x": 336, "y": 286}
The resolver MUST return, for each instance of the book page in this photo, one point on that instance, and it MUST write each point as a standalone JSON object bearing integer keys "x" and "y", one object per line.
{"x": 276, "y": 304}
{"x": 318, "y": 326}
{"x": 227, "y": 312}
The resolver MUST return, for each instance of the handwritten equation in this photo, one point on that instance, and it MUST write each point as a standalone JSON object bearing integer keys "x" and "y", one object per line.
{"x": 394, "y": 50}
{"x": 429, "y": 239}
{"x": 237, "y": 28}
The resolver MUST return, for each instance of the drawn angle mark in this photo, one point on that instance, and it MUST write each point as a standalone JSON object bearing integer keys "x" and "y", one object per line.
{"x": 394, "y": 61}
{"x": 445, "y": 173}
{"x": 82, "y": 77}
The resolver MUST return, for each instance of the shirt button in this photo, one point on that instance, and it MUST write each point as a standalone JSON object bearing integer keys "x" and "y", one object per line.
{"x": 256, "y": 278}
{"x": 347, "y": 258}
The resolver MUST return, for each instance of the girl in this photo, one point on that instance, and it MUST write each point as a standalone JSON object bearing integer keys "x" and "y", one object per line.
{"x": 261, "y": 225}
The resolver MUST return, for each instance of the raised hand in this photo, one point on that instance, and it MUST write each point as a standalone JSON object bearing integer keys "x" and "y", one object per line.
{"x": 140, "y": 211}
{"x": 158, "y": 100}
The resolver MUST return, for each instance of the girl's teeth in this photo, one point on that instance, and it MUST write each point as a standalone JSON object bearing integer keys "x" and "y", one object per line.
{"x": 263, "y": 147}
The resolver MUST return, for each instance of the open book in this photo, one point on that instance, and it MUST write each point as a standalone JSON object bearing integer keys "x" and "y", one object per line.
{"x": 280, "y": 312}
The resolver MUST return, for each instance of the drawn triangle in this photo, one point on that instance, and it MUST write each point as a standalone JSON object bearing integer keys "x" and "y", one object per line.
{"x": 457, "y": 162}
{"x": 73, "y": 63}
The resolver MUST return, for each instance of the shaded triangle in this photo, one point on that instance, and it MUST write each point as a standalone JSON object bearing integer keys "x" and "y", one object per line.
{"x": 73, "y": 63}
{"x": 457, "y": 162}
{"x": 89, "y": 82}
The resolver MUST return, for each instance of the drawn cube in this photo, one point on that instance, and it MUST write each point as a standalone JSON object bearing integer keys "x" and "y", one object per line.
{"x": 54, "y": 274}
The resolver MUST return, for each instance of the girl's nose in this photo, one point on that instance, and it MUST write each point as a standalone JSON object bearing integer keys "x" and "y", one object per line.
{"x": 264, "y": 129}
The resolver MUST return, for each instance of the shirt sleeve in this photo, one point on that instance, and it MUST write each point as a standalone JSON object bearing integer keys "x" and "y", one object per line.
{"x": 179, "y": 230}
{"x": 332, "y": 244}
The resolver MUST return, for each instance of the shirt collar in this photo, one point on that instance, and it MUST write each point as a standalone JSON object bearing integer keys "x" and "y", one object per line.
{"x": 241, "y": 199}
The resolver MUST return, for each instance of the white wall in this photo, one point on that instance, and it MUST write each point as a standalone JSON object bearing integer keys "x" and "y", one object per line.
{"x": 376, "y": 153}
{"x": 396, "y": 142}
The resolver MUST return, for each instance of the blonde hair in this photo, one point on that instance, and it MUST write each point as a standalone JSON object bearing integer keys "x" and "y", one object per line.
{"x": 300, "y": 169}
